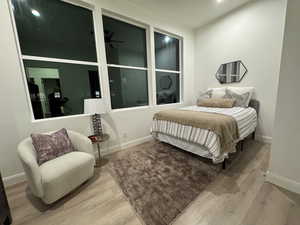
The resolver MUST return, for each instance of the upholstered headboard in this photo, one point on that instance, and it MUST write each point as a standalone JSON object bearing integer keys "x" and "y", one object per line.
{"x": 255, "y": 105}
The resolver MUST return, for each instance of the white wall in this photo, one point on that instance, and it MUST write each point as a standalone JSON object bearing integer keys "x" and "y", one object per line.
{"x": 285, "y": 153}
{"x": 253, "y": 34}
{"x": 125, "y": 127}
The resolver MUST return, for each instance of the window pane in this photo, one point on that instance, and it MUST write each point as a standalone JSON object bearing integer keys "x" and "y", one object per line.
{"x": 166, "y": 52}
{"x": 125, "y": 44}
{"x": 167, "y": 88}
{"x": 59, "y": 89}
{"x": 128, "y": 87}
{"x": 55, "y": 29}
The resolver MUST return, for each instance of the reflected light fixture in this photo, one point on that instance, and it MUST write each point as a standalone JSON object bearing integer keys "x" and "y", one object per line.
{"x": 220, "y": 1}
{"x": 167, "y": 39}
{"x": 35, "y": 13}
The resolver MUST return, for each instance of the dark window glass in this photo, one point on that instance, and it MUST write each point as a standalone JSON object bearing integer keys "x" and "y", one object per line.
{"x": 55, "y": 29}
{"x": 128, "y": 87}
{"x": 125, "y": 44}
{"x": 166, "y": 52}
{"x": 59, "y": 89}
{"x": 167, "y": 88}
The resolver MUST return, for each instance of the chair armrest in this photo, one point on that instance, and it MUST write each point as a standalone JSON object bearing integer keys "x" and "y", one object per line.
{"x": 28, "y": 159}
{"x": 81, "y": 142}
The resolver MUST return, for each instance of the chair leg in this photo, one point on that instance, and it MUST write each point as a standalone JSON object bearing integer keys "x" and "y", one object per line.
{"x": 253, "y": 135}
{"x": 224, "y": 164}
{"x": 242, "y": 145}
{"x": 8, "y": 221}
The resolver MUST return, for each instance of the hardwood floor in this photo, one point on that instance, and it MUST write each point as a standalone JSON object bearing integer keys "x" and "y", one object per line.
{"x": 239, "y": 196}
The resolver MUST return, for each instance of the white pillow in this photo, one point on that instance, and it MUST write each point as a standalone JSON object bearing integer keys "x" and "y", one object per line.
{"x": 218, "y": 92}
{"x": 243, "y": 90}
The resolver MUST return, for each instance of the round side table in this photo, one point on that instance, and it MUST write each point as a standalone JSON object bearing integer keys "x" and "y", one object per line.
{"x": 97, "y": 140}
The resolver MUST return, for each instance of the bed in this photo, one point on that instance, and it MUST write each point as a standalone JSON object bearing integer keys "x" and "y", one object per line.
{"x": 205, "y": 142}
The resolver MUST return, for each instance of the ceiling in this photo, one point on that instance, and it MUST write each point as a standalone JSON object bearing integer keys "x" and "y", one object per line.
{"x": 190, "y": 13}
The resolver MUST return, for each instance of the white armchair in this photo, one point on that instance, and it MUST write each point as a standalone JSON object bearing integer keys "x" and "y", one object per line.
{"x": 57, "y": 177}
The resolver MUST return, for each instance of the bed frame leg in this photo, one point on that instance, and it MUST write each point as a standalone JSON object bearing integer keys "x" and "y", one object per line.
{"x": 224, "y": 164}
{"x": 242, "y": 145}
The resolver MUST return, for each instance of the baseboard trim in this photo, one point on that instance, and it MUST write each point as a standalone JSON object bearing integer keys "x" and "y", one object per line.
{"x": 264, "y": 139}
{"x": 117, "y": 148}
{"x": 283, "y": 182}
{"x": 14, "y": 179}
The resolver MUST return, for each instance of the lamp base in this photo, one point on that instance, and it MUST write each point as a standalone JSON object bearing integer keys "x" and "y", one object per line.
{"x": 97, "y": 126}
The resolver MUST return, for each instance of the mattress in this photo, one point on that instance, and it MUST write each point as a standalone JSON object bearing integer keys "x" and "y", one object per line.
{"x": 208, "y": 142}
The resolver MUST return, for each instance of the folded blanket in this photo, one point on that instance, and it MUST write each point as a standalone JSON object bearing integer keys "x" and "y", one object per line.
{"x": 223, "y": 125}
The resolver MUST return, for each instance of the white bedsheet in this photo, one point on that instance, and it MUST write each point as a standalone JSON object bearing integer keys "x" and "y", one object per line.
{"x": 246, "y": 121}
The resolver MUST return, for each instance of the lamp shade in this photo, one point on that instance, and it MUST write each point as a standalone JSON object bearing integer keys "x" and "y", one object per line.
{"x": 94, "y": 106}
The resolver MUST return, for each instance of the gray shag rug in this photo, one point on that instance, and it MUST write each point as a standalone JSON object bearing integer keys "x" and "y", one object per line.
{"x": 160, "y": 180}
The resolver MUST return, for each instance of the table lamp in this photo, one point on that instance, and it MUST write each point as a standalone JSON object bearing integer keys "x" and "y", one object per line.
{"x": 95, "y": 107}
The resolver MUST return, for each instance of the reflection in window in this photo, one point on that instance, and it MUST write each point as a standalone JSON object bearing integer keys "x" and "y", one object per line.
{"x": 167, "y": 88}
{"x": 166, "y": 52}
{"x": 49, "y": 32}
{"x": 55, "y": 29}
{"x": 126, "y": 46}
{"x": 59, "y": 89}
{"x": 167, "y": 58}
{"x": 128, "y": 88}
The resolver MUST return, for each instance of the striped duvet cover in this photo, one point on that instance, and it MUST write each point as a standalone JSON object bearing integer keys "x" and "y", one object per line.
{"x": 246, "y": 119}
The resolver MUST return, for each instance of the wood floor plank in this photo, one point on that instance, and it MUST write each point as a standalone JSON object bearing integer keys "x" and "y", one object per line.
{"x": 239, "y": 196}
{"x": 222, "y": 198}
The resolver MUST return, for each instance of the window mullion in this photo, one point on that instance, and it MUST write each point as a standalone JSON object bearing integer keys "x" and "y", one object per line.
{"x": 127, "y": 67}
{"x": 46, "y": 59}
{"x": 103, "y": 58}
{"x": 152, "y": 67}
{"x": 167, "y": 71}
{"x": 181, "y": 80}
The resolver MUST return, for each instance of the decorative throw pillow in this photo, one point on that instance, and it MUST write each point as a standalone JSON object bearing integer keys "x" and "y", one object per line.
{"x": 217, "y": 102}
{"x": 51, "y": 146}
{"x": 203, "y": 96}
{"x": 218, "y": 92}
{"x": 241, "y": 100}
{"x": 243, "y": 90}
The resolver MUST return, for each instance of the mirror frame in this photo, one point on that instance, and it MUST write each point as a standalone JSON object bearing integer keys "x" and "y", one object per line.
{"x": 216, "y": 75}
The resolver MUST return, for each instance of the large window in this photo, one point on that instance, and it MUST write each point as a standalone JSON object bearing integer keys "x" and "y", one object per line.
{"x": 167, "y": 60}
{"x": 58, "y": 49}
{"x": 126, "y": 53}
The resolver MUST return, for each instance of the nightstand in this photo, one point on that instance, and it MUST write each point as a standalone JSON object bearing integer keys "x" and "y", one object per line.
{"x": 97, "y": 140}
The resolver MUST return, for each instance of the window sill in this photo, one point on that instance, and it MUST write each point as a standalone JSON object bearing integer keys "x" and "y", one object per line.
{"x": 59, "y": 118}
{"x": 130, "y": 109}
{"x": 112, "y": 111}
{"x": 170, "y": 104}
{"x": 146, "y": 107}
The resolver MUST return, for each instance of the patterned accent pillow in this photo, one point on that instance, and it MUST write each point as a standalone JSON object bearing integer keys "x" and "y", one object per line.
{"x": 51, "y": 146}
{"x": 203, "y": 96}
{"x": 241, "y": 100}
{"x": 218, "y": 102}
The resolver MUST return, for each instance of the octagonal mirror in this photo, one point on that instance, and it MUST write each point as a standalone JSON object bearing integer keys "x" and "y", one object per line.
{"x": 232, "y": 72}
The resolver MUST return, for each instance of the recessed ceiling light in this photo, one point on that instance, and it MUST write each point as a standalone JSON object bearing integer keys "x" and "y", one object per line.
{"x": 35, "y": 13}
{"x": 220, "y": 1}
